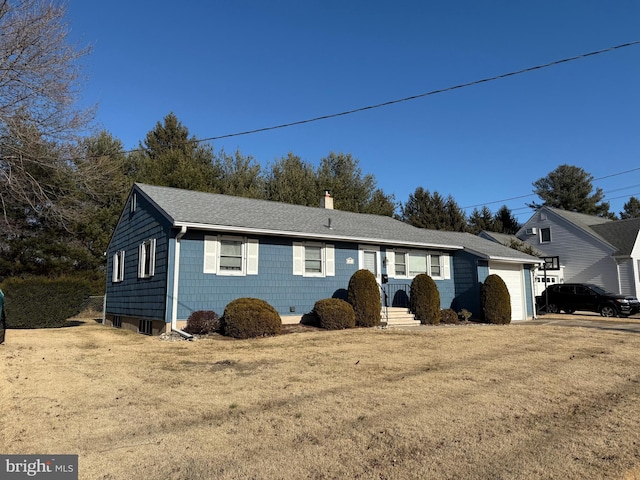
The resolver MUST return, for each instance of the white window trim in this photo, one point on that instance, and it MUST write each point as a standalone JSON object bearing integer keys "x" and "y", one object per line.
{"x": 118, "y": 267}
{"x": 445, "y": 266}
{"x": 327, "y": 255}
{"x": 211, "y": 260}
{"x": 142, "y": 260}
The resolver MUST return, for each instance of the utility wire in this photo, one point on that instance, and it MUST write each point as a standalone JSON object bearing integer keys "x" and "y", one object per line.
{"x": 406, "y": 99}
{"x": 535, "y": 194}
{"x": 421, "y": 95}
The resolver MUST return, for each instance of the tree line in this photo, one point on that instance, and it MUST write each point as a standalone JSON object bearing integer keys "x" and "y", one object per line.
{"x": 62, "y": 191}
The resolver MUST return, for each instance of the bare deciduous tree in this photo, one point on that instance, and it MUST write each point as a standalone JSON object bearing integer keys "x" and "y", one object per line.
{"x": 39, "y": 79}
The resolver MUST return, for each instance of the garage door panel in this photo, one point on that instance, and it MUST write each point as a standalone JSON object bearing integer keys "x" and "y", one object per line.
{"x": 513, "y": 277}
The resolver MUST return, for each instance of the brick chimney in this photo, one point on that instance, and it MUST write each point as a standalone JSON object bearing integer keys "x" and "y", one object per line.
{"x": 326, "y": 201}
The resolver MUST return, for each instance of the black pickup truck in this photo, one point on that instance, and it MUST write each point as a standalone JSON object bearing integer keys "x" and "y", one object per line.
{"x": 570, "y": 297}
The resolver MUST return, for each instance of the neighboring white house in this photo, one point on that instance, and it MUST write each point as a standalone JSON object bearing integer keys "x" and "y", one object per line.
{"x": 591, "y": 249}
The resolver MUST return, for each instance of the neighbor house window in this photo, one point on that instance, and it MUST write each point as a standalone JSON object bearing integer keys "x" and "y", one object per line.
{"x": 313, "y": 259}
{"x": 408, "y": 264}
{"x": 147, "y": 258}
{"x": 225, "y": 255}
{"x": 545, "y": 235}
{"x": 118, "y": 267}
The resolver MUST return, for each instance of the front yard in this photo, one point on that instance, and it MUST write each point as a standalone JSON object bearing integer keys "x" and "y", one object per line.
{"x": 472, "y": 402}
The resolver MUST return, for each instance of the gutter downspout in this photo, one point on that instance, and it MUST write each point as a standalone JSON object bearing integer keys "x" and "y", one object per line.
{"x": 176, "y": 283}
{"x": 532, "y": 284}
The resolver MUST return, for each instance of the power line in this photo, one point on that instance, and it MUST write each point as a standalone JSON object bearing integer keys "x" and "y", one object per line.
{"x": 534, "y": 194}
{"x": 406, "y": 99}
{"x": 421, "y": 95}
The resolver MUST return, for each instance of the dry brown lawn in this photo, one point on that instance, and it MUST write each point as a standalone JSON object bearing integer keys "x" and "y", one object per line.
{"x": 471, "y": 402}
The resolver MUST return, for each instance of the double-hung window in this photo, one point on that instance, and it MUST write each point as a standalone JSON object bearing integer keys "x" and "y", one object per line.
{"x": 229, "y": 255}
{"x": 118, "y": 267}
{"x": 436, "y": 270}
{"x": 400, "y": 264}
{"x": 410, "y": 263}
{"x": 312, "y": 259}
{"x": 231, "y": 260}
{"x": 147, "y": 258}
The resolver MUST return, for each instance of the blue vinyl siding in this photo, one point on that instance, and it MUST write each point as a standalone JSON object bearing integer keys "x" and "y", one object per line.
{"x": 467, "y": 270}
{"x": 138, "y": 297}
{"x": 446, "y": 288}
{"x": 275, "y": 282}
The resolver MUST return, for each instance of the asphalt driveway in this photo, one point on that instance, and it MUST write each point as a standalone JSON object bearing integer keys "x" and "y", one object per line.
{"x": 587, "y": 320}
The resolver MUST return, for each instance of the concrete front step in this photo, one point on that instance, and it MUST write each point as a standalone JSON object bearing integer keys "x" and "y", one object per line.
{"x": 399, "y": 317}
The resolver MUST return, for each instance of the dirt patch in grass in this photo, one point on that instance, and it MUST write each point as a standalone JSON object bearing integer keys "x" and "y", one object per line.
{"x": 515, "y": 402}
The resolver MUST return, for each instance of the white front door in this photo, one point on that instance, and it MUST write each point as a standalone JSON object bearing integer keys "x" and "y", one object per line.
{"x": 370, "y": 260}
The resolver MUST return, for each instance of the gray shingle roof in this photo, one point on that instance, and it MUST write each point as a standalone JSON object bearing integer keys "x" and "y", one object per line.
{"x": 620, "y": 234}
{"x": 239, "y": 214}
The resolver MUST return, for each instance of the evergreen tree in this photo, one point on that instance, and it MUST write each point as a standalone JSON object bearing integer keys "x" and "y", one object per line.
{"x": 569, "y": 188}
{"x": 505, "y": 222}
{"x": 169, "y": 157}
{"x": 631, "y": 209}
{"x": 239, "y": 175}
{"x": 340, "y": 174}
{"x": 479, "y": 221}
{"x": 424, "y": 210}
{"x": 291, "y": 180}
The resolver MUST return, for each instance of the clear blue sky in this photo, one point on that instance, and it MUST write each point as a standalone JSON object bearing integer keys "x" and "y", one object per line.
{"x": 230, "y": 66}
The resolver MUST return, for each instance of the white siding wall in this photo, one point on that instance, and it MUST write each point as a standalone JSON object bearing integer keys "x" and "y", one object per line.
{"x": 627, "y": 277}
{"x": 586, "y": 259}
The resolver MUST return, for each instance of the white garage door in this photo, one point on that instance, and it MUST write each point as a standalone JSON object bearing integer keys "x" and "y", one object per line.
{"x": 513, "y": 277}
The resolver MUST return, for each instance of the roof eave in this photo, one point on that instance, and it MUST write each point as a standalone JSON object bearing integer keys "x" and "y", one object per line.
{"x": 500, "y": 258}
{"x": 313, "y": 236}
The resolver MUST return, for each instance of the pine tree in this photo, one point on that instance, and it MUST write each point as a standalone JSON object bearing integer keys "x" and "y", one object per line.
{"x": 569, "y": 188}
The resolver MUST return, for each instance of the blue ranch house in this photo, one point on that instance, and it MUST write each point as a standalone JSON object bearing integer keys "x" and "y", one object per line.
{"x": 177, "y": 251}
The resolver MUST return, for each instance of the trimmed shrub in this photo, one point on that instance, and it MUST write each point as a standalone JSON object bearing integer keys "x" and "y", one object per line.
{"x": 495, "y": 300}
{"x": 202, "y": 322}
{"x": 425, "y": 299}
{"x": 43, "y": 302}
{"x": 364, "y": 296}
{"x": 448, "y": 316}
{"x": 250, "y": 317}
{"x": 334, "y": 314}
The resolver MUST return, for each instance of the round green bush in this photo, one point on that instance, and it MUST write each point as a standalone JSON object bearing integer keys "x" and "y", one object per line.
{"x": 250, "y": 317}
{"x": 202, "y": 322}
{"x": 364, "y": 295}
{"x": 495, "y": 300}
{"x": 334, "y": 314}
{"x": 424, "y": 301}
{"x": 448, "y": 316}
